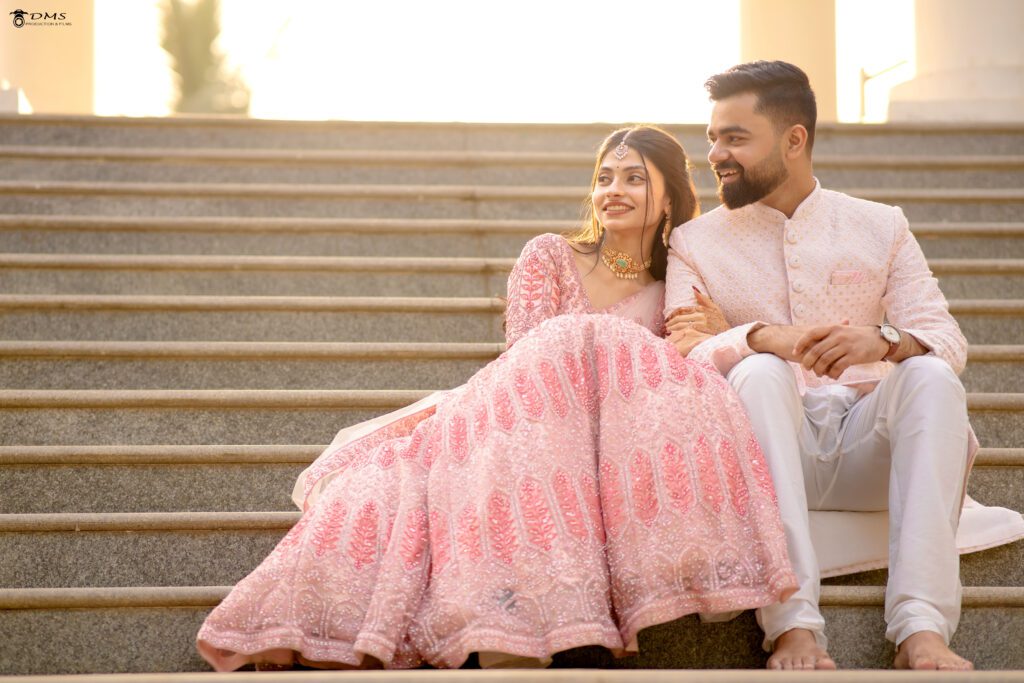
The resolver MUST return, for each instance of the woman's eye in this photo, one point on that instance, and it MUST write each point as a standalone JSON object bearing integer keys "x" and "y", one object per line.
{"x": 637, "y": 178}
{"x": 602, "y": 179}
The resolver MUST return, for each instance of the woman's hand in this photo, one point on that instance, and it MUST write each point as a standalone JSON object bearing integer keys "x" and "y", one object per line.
{"x": 706, "y": 317}
{"x": 685, "y": 339}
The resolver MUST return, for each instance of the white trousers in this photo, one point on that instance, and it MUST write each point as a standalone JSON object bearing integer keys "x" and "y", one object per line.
{"x": 902, "y": 447}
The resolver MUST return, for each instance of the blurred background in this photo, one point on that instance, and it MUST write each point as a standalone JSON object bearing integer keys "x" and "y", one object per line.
{"x": 523, "y": 61}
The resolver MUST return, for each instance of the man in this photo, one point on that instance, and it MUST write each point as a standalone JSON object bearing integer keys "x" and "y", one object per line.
{"x": 864, "y": 416}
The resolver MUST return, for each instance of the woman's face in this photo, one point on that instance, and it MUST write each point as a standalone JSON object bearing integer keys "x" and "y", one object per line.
{"x": 622, "y": 192}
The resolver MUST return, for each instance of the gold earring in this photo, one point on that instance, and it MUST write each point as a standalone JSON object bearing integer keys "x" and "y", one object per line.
{"x": 666, "y": 229}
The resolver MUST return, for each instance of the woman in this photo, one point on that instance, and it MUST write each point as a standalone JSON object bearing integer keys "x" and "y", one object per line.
{"x": 588, "y": 483}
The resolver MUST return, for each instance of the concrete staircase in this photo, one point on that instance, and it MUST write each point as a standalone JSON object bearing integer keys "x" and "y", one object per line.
{"x": 190, "y": 308}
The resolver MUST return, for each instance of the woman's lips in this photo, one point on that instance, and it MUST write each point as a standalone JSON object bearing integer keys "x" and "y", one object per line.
{"x": 617, "y": 209}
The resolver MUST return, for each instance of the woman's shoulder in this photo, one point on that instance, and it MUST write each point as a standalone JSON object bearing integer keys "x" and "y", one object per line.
{"x": 550, "y": 247}
{"x": 547, "y": 242}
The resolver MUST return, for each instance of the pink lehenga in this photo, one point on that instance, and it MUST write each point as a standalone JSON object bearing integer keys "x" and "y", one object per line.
{"x": 588, "y": 483}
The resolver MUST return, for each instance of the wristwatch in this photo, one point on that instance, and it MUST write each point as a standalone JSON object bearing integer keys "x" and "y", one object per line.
{"x": 891, "y": 335}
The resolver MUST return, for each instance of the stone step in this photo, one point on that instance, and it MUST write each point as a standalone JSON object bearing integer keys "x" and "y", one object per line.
{"x": 50, "y": 550}
{"x": 422, "y": 201}
{"x": 358, "y": 276}
{"x": 558, "y": 673}
{"x": 282, "y": 416}
{"x": 250, "y": 478}
{"x": 50, "y": 630}
{"x": 260, "y": 275}
{"x": 46, "y": 317}
{"x": 39, "y": 417}
{"x": 182, "y": 165}
{"x": 239, "y": 365}
{"x": 317, "y": 365}
{"x": 368, "y": 319}
{"x": 211, "y": 478}
{"x": 198, "y": 132}
{"x": 447, "y": 238}
{"x": 994, "y": 368}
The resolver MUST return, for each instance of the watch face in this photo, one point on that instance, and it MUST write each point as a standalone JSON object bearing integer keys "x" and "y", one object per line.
{"x": 890, "y": 334}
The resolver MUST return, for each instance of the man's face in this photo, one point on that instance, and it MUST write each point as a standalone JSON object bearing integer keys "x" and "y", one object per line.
{"x": 746, "y": 153}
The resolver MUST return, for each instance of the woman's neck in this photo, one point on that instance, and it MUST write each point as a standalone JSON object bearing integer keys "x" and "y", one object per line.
{"x": 630, "y": 243}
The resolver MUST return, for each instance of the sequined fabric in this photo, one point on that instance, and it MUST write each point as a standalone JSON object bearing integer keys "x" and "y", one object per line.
{"x": 587, "y": 484}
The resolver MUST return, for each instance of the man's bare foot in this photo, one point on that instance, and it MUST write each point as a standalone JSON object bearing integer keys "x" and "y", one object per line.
{"x": 927, "y": 650}
{"x": 797, "y": 649}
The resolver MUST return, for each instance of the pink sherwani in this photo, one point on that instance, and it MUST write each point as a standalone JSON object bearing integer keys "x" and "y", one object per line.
{"x": 812, "y": 269}
{"x": 839, "y": 257}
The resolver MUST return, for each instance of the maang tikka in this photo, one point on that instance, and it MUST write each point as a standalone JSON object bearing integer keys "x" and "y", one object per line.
{"x": 621, "y": 151}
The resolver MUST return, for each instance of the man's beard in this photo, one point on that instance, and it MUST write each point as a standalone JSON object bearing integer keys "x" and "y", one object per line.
{"x": 753, "y": 184}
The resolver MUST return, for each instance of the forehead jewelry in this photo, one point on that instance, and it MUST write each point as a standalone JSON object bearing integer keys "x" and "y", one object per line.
{"x": 621, "y": 151}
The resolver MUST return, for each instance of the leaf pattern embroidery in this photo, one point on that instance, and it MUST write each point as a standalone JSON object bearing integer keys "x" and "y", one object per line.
{"x": 739, "y": 495}
{"x": 529, "y": 396}
{"x": 553, "y": 387}
{"x": 613, "y": 500}
{"x": 677, "y": 477}
{"x": 650, "y": 367}
{"x": 624, "y": 370}
{"x": 500, "y": 530}
{"x": 504, "y": 413}
{"x": 468, "y": 539}
{"x": 645, "y": 498}
{"x": 362, "y": 547}
{"x": 440, "y": 543}
{"x": 414, "y": 538}
{"x": 601, "y": 363}
{"x": 569, "y": 505}
{"x": 708, "y": 474}
{"x": 540, "y": 527}
{"x": 328, "y": 527}
{"x": 458, "y": 441}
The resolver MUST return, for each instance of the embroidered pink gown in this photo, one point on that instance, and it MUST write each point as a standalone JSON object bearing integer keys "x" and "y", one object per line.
{"x": 588, "y": 483}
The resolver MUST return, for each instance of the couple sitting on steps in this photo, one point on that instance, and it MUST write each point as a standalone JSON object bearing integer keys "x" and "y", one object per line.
{"x": 678, "y": 394}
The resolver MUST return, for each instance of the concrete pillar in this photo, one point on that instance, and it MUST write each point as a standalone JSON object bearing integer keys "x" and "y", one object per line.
{"x": 50, "y": 58}
{"x": 802, "y": 32}
{"x": 970, "y": 63}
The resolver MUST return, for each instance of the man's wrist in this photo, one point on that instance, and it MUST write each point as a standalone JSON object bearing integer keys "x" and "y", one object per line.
{"x": 759, "y": 338}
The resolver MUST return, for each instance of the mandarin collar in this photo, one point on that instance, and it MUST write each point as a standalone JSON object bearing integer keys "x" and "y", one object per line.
{"x": 805, "y": 209}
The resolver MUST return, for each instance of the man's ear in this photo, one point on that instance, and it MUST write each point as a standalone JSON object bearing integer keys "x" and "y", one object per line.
{"x": 796, "y": 141}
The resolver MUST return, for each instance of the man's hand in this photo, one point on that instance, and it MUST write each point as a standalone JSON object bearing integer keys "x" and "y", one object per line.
{"x": 777, "y": 339}
{"x": 831, "y": 349}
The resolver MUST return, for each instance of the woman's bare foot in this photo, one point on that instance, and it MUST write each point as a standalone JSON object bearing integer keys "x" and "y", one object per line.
{"x": 797, "y": 649}
{"x": 927, "y": 650}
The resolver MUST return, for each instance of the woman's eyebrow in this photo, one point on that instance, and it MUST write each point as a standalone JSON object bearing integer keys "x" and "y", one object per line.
{"x": 628, "y": 168}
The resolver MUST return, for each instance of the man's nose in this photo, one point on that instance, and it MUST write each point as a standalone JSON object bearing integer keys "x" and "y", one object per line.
{"x": 716, "y": 154}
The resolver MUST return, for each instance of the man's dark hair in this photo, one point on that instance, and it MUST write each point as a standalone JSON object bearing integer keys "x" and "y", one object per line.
{"x": 783, "y": 92}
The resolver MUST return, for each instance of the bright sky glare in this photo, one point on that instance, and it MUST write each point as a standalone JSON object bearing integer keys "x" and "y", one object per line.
{"x": 456, "y": 60}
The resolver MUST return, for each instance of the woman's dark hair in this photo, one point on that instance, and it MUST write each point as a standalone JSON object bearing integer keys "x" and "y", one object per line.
{"x": 783, "y": 92}
{"x": 660, "y": 149}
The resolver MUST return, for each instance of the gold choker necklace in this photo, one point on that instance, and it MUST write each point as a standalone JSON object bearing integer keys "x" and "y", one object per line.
{"x": 622, "y": 264}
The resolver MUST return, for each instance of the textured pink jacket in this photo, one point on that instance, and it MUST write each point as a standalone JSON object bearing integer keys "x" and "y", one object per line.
{"x": 837, "y": 257}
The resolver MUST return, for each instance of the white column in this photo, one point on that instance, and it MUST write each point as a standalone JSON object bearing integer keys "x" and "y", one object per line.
{"x": 801, "y": 32}
{"x": 49, "y": 58}
{"x": 970, "y": 63}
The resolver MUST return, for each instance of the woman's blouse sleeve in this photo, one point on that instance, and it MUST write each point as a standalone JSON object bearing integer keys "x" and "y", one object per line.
{"x": 534, "y": 287}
